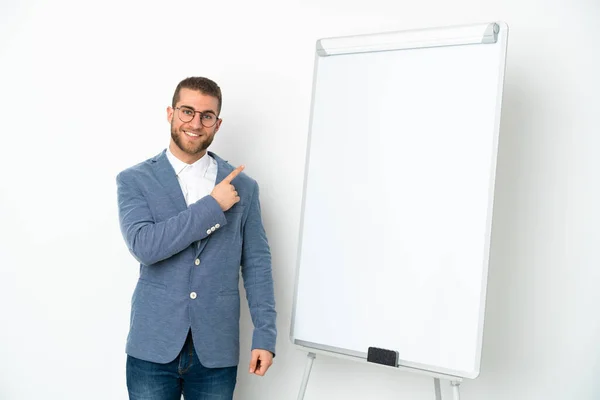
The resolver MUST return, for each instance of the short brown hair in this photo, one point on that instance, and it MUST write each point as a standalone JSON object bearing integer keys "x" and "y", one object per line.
{"x": 204, "y": 85}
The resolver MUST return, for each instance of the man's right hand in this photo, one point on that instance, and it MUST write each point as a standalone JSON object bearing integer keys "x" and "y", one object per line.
{"x": 225, "y": 193}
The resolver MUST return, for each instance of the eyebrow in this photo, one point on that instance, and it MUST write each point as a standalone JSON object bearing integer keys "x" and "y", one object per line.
{"x": 192, "y": 108}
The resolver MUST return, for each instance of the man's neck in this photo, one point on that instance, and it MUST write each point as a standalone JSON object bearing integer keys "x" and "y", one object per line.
{"x": 183, "y": 156}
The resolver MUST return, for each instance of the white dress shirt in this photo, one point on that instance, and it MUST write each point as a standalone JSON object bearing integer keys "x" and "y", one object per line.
{"x": 196, "y": 180}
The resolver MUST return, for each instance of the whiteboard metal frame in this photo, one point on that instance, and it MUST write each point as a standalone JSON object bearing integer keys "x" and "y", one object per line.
{"x": 410, "y": 39}
{"x": 481, "y": 34}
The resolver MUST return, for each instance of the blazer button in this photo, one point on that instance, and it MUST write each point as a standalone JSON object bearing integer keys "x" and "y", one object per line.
{"x": 213, "y": 229}
{"x": 217, "y": 226}
{"x": 208, "y": 232}
{"x": 197, "y": 262}
{"x": 193, "y": 295}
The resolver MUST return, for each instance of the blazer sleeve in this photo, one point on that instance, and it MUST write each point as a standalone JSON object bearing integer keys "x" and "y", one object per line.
{"x": 258, "y": 280}
{"x": 149, "y": 241}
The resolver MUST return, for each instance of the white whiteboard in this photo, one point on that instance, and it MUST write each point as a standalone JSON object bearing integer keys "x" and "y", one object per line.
{"x": 398, "y": 203}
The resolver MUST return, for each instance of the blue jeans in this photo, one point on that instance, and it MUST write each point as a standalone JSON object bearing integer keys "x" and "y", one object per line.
{"x": 184, "y": 375}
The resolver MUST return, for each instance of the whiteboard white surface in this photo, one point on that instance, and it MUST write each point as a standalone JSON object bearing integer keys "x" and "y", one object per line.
{"x": 398, "y": 204}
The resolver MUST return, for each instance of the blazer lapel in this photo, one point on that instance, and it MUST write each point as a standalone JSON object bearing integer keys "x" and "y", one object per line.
{"x": 166, "y": 177}
{"x": 223, "y": 169}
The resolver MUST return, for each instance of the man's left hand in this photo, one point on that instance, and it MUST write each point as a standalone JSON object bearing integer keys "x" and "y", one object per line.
{"x": 260, "y": 362}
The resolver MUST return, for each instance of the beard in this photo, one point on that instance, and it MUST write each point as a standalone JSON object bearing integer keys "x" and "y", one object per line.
{"x": 187, "y": 146}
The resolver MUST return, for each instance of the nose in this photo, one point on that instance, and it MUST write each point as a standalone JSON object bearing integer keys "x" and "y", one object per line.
{"x": 195, "y": 122}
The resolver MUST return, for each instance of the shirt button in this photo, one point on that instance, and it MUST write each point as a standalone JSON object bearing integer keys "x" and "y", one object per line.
{"x": 217, "y": 226}
{"x": 208, "y": 232}
{"x": 193, "y": 295}
{"x": 197, "y": 262}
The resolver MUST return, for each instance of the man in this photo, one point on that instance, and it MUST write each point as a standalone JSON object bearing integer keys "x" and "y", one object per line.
{"x": 191, "y": 220}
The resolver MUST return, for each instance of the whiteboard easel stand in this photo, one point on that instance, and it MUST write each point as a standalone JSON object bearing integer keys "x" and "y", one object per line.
{"x": 309, "y": 362}
{"x": 451, "y": 36}
{"x": 312, "y": 354}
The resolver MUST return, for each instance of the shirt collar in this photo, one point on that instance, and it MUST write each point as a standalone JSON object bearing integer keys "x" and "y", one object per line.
{"x": 199, "y": 167}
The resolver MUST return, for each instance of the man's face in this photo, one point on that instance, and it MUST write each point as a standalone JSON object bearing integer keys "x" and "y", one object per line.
{"x": 192, "y": 138}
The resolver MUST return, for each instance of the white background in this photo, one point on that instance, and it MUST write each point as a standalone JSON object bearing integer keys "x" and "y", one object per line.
{"x": 83, "y": 92}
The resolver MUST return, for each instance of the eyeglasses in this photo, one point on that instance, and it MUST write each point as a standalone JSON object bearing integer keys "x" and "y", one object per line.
{"x": 186, "y": 114}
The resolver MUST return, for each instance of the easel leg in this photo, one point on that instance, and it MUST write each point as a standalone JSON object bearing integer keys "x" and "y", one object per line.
{"x": 309, "y": 363}
{"x": 438, "y": 389}
{"x": 455, "y": 391}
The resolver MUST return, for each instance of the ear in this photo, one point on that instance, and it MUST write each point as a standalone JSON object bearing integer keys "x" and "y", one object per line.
{"x": 218, "y": 124}
{"x": 170, "y": 112}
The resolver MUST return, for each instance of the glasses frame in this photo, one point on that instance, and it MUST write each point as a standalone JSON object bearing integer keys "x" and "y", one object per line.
{"x": 202, "y": 113}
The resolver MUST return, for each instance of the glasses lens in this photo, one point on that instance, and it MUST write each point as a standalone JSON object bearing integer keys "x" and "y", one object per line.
{"x": 208, "y": 120}
{"x": 185, "y": 114}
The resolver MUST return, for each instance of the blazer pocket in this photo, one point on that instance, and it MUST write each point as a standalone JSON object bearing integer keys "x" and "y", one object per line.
{"x": 229, "y": 292}
{"x": 157, "y": 285}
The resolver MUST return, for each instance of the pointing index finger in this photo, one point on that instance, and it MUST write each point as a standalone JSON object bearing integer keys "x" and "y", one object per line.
{"x": 233, "y": 174}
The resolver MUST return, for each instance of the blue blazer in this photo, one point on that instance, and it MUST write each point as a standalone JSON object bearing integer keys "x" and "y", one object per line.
{"x": 190, "y": 260}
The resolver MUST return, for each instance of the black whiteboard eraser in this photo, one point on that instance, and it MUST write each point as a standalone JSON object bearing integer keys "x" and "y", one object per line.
{"x": 382, "y": 356}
